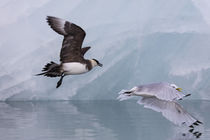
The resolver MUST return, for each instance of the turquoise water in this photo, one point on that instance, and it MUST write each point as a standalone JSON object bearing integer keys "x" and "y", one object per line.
{"x": 95, "y": 120}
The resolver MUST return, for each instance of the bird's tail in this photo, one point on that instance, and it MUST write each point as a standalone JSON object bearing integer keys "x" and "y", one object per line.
{"x": 51, "y": 69}
{"x": 125, "y": 95}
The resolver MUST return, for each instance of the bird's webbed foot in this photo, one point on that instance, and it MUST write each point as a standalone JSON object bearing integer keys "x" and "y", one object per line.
{"x": 60, "y": 81}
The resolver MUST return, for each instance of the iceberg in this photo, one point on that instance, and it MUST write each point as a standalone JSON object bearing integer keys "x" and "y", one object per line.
{"x": 138, "y": 42}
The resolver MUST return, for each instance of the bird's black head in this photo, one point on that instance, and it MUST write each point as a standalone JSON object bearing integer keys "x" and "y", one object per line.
{"x": 97, "y": 62}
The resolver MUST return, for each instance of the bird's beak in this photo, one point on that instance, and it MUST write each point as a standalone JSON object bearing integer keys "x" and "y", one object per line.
{"x": 100, "y": 65}
{"x": 179, "y": 89}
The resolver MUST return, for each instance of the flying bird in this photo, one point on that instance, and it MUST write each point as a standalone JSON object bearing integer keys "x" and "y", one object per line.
{"x": 162, "y": 90}
{"x": 72, "y": 61}
{"x": 161, "y": 97}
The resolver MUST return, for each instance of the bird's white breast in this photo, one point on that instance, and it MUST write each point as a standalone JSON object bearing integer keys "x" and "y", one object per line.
{"x": 74, "y": 68}
{"x": 144, "y": 94}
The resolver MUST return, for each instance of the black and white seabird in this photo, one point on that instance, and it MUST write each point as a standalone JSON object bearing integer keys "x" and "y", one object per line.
{"x": 71, "y": 54}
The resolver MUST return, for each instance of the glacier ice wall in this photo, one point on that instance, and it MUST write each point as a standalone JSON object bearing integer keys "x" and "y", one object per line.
{"x": 138, "y": 41}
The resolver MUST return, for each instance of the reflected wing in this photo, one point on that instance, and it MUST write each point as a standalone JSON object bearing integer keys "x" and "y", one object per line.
{"x": 170, "y": 110}
{"x": 160, "y": 90}
{"x": 73, "y": 39}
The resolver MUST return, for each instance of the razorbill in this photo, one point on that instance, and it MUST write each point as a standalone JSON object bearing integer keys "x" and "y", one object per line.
{"x": 72, "y": 59}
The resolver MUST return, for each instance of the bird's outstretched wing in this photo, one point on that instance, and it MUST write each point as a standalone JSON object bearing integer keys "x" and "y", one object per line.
{"x": 85, "y": 49}
{"x": 74, "y": 35}
{"x": 171, "y": 110}
{"x": 160, "y": 90}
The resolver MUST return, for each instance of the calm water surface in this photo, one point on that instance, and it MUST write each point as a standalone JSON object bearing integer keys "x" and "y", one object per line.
{"x": 95, "y": 120}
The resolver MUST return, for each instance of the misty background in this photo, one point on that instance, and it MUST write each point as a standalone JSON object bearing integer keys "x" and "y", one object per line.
{"x": 137, "y": 41}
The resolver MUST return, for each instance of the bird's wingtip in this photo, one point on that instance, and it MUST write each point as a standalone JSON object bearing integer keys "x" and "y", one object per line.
{"x": 122, "y": 96}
